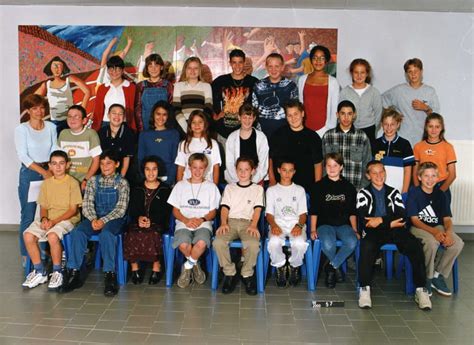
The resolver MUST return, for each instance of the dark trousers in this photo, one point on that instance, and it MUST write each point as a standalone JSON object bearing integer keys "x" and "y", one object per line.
{"x": 406, "y": 243}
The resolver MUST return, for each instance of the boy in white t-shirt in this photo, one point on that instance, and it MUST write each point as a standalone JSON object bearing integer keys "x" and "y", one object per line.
{"x": 286, "y": 213}
{"x": 194, "y": 202}
{"x": 241, "y": 206}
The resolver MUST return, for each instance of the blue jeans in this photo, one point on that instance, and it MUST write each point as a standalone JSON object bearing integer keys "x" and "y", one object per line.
{"x": 107, "y": 241}
{"x": 328, "y": 235}
{"x": 28, "y": 209}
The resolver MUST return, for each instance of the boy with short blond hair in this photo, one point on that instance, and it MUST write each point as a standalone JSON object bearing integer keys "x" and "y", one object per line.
{"x": 195, "y": 201}
{"x": 59, "y": 200}
{"x": 430, "y": 216}
{"x": 272, "y": 93}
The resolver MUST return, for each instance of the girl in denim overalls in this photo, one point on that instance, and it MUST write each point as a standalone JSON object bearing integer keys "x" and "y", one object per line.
{"x": 151, "y": 91}
{"x": 104, "y": 208}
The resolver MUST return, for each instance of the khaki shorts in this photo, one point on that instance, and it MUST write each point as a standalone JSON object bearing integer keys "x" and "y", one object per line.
{"x": 191, "y": 237}
{"x": 60, "y": 229}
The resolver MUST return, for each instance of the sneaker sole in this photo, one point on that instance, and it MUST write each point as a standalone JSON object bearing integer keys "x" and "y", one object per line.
{"x": 32, "y": 286}
{"x": 422, "y": 308}
{"x": 441, "y": 292}
{"x": 365, "y": 306}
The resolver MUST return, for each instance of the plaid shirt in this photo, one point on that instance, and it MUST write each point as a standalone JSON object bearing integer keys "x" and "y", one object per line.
{"x": 88, "y": 204}
{"x": 355, "y": 149}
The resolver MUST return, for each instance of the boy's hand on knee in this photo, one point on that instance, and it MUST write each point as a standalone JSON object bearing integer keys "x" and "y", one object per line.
{"x": 440, "y": 236}
{"x": 253, "y": 231}
{"x": 276, "y": 230}
{"x": 448, "y": 240}
{"x": 296, "y": 231}
{"x": 223, "y": 229}
{"x": 397, "y": 223}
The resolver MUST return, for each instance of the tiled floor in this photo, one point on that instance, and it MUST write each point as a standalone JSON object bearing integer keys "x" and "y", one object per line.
{"x": 146, "y": 315}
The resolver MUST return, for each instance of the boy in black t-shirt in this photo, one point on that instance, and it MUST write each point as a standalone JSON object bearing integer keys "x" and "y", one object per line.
{"x": 380, "y": 207}
{"x": 296, "y": 141}
{"x": 430, "y": 216}
{"x": 229, "y": 92}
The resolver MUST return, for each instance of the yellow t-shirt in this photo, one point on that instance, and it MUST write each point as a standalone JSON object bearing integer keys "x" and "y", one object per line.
{"x": 441, "y": 153}
{"x": 57, "y": 196}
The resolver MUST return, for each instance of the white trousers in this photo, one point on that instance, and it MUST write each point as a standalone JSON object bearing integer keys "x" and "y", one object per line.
{"x": 298, "y": 247}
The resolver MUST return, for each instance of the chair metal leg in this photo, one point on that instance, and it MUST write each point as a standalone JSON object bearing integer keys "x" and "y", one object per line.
{"x": 266, "y": 258}
{"x": 309, "y": 267}
{"x": 120, "y": 264}
{"x": 389, "y": 263}
{"x": 170, "y": 268}
{"x": 215, "y": 270}
{"x": 316, "y": 260}
{"x": 409, "y": 285}
{"x": 259, "y": 269}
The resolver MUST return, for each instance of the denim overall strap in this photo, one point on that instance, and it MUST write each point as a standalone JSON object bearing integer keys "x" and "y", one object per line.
{"x": 106, "y": 198}
{"x": 150, "y": 96}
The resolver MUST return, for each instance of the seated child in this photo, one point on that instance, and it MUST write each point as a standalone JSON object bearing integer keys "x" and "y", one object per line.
{"x": 380, "y": 208}
{"x": 81, "y": 144}
{"x": 430, "y": 216}
{"x": 286, "y": 215}
{"x": 104, "y": 209}
{"x": 333, "y": 217}
{"x": 149, "y": 213}
{"x": 195, "y": 201}
{"x": 59, "y": 199}
{"x": 241, "y": 206}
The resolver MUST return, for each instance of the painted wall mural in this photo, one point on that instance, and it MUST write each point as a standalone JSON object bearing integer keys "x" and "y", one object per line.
{"x": 84, "y": 50}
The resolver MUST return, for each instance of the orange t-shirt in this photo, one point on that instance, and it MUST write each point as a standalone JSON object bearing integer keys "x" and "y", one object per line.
{"x": 441, "y": 153}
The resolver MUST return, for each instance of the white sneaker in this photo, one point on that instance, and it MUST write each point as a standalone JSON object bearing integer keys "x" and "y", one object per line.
{"x": 364, "y": 297}
{"x": 423, "y": 299}
{"x": 34, "y": 279}
{"x": 56, "y": 280}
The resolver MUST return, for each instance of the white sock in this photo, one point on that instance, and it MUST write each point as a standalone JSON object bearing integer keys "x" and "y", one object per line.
{"x": 190, "y": 263}
{"x": 436, "y": 274}
{"x": 419, "y": 289}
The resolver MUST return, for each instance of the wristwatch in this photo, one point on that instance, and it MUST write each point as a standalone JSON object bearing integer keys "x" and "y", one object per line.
{"x": 299, "y": 225}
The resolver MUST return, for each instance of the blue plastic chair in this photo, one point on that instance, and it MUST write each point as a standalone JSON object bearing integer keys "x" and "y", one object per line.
{"x": 259, "y": 268}
{"x": 172, "y": 254}
{"x": 120, "y": 263}
{"x": 307, "y": 269}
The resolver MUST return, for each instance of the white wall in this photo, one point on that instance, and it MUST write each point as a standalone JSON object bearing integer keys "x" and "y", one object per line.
{"x": 444, "y": 41}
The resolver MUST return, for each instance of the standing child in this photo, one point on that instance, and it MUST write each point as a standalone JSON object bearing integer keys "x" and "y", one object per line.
{"x": 59, "y": 201}
{"x": 430, "y": 215}
{"x": 286, "y": 213}
{"x": 149, "y": 214}
{"x": 333, "y": 217}
{"x": 352, "y": 143}
{"x": 194, "y": 202}
{"x": 272, "y": 93}
{"x": 394, "y": 151}
{"x": 380, "y": 208}
{"x": 249, "y": 142}
{"x": 104, "y": 209}
{"x": 81, "y": 144}
{"x": 150, "y": 91}
{"x": 160, "y": 140}
{"x": 241, "y": 206}
{"x": 198, "y": 141}
{"x": 119, "y": 137}
{"x": 434, "y": 148}
{"x": 299, "y": 142}
{"x": 365, "y": 97}
{"x": 191, "y": 93}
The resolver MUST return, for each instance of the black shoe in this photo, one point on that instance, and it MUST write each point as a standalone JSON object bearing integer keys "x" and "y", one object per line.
{"x": 137, "y": 277}
{"x": 72, "y": 280}
{"x": 330, "y": 276}
{"x": 229, "y": 284}
{"x": 110, "y": 282}
{"x": 340, "y": 275}
{"x": 154, "y": 278}
{"x": 250, "y": 285}
{"x": 295, "y": 275}
{"x": 281, "y": 276}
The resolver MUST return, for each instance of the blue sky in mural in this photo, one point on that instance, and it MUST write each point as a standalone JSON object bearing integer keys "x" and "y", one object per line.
{"x": 91, "y": 39}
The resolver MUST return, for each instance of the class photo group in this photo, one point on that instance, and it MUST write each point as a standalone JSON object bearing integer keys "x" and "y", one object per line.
{"x": 285, "y": 166}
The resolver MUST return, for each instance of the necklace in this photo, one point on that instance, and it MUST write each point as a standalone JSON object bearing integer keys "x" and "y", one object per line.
{"x": 238, "y": 83}
{"x": 195, "y": 200}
